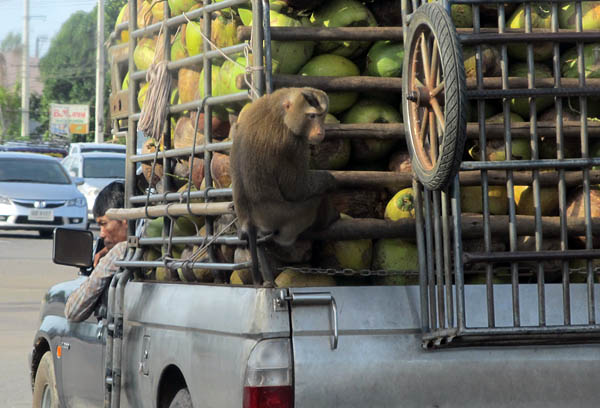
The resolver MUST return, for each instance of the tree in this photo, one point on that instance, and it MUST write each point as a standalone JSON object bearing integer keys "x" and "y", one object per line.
{"x": 68, "y": 69}
{"x": 10, "y": 121}
{"x": 12, "y": 42}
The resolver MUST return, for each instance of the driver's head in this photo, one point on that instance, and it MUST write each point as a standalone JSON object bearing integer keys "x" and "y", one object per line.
{"x": 112, "y": 231}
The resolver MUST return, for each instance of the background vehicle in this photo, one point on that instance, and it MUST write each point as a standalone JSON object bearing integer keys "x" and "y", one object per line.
{"x": 497, "y": 318}
{"x": 56, "y": 151}
{"x": 97, "y": 170}
{"x": 96, "y": 147}
{"x": 36, "y": 193}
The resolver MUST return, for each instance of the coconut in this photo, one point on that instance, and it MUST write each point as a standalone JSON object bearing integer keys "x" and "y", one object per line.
{"x": 353, "y": 254}
{"x": 548, "y": 200}
{"x": 150, "y": 254}
{"x": 220, "y": 171}
{"x": 547, "y": 145}
{"x": 388, "y": 13}
{"x": 591, "y": 55}
{"x": 343, "y": 13}
{"x": 490, "y": 61}
{"x": 149, "y": 146}
{"x": 184, "y": 134}
{"x": 141, "y": 96}
{"x": 396, "y": 255}
{"x": 541, "y": 17}
{"x": 333, "y": 65}
{"x": 462, "y": 15}
{"x": 287, "y": 56}
{"x": 186, "y": 273}
{"x": 521, "y": 105}
{"x": 123, "y": 17}
{"x": 402, "y": 205}
{"x": 385, "y": 59}
{"x": 527, "y": 243}
{"x": 567, "y": 15}
{"x": 182, "y": 6}
{"x": 576, "y": 203}
{"x": 188, "y": 80}
{"x": 143, "y": 54}
{"x": 366, "y": 150}
{"x": 144, "y": 14}
{"x": 490, "y": 109}
{"x": 495, "y": 150}
{"x": 292, "y": 278}
{"x": 220, "y": 128}
{"x": 400, "y": 162}
{"x": 330, "y": 154}
{"x": 178, "y": 50}
{"x": 360, "y": 203}
{"x": 471, "y": 200}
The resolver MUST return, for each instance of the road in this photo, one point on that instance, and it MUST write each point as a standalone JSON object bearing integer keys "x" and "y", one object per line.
{"x": 26, "y": 271}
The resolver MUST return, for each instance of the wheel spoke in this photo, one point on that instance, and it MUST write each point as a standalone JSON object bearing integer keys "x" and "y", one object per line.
{"x": 423, "y": 127}
{"x": 432, "y": 138}
{"x": 437, "y": 89}
{"x": 434, "y": 64}
{"x": 425, "y": 58}
{"x": 438, "y": 111}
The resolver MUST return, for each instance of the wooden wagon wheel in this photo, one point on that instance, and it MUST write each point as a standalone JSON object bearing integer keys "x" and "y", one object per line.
{"x": 434, "y": 96}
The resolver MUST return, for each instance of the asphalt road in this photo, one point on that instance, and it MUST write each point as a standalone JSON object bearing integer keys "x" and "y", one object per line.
{"x": 26, "y": 271}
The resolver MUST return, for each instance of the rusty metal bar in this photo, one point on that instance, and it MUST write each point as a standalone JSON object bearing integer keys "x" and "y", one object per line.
{"x": 439, "y": 265}
{"x": 447, "y": 259}
{"x": 420, "y": 238}
{"x": 427, "y": 213}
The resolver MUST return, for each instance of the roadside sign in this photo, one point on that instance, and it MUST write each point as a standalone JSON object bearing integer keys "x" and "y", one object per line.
{"x": 69, "y": 119}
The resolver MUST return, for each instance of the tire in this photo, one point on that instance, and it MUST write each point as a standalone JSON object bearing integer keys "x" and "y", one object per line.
{"x": 434, "y": 166}
{"x": 45, "y": 393}
{"x": 182, "y": 399}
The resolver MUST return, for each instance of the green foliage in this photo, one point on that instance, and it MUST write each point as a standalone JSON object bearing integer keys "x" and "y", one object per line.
{"x": 10, "y": 104}
{"x": 11, "y": 42}
{"x": 68, "y": 70}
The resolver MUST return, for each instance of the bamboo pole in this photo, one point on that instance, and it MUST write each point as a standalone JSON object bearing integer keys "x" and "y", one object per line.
{"x": 170, "y": 210}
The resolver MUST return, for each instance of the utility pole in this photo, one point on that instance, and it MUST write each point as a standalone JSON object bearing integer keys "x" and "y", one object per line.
{"x": 25, "y": 74}
{"x": 99, "y": 135}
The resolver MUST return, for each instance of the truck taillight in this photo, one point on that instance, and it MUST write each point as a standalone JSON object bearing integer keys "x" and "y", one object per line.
{"x": 268, "y": 381}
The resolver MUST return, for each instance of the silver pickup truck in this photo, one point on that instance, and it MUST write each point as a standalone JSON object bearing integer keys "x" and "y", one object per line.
{"x": 505, "y": 308}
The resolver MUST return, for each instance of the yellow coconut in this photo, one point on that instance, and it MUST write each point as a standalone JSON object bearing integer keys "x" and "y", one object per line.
{"x": 291, "y": 278}
{"x": 402, "y": 205}
{"x": 548, "y": 200}
{"x": 471, "y": 199}
{"x": 396, "y": 255}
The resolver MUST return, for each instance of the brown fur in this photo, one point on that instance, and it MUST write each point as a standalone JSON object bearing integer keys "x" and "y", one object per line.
{"x": 273, "y": 188}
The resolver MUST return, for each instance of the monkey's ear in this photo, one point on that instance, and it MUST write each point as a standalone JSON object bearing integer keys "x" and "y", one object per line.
{"x": 287, "y": 104}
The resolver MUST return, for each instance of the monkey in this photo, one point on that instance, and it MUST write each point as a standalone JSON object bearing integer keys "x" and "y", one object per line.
{"x": 274, "y": 190}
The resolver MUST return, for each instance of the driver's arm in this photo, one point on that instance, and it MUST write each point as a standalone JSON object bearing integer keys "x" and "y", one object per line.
{"x": 81, "y": 302}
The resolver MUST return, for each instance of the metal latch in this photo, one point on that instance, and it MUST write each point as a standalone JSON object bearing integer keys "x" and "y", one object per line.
{"x": 315, "y": 299}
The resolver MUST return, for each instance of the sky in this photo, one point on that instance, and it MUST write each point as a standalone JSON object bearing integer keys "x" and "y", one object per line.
{"x": 46, "y": 18}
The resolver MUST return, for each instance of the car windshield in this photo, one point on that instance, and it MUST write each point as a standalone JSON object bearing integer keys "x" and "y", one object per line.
{"x": 16, "y": 170}
{"x": 104, "y": 168}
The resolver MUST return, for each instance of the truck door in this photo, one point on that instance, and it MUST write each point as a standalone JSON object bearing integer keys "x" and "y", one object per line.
{"x": 353, "y": 365}
{"x": 83, "y": 363}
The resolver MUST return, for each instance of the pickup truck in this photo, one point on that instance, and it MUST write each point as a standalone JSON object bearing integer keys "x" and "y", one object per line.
{"x": 175, "y": 330}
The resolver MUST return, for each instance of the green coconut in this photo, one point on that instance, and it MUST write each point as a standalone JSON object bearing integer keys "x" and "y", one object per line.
{"x": 291, "y": 278}
{"x": 141, "y": 96}
{"x": 333, "y": 65}
{"x": 343, "y": 13}
{"x": 521, "y": 105}
{"x": 218, "y": 85}
{"x": 366, "y": 150}
{"x": 402, "y": 205}
{"x": 143, "y": 54}
{"x": 385, "y": 59}
{"x": 525, "y": 204}
{"x": 123, "y": 17}
{"x": 591, "y": 56}
{"x": 125, "y": 84}
{"x": 182, "y": 6}
{"x": 287, "y": 56}
{"x": 331, "y": 153}
{"x": 490, "y": 61}
{"x": 396, "y": 255}
{"x": 178, "y": 50}
{"x": 567, "y": 15}
{"x": 541, "y": 17}
{"x": 462, "y": 15}
{"x": 471, "y": 200}
{"x": 352, "y": 254}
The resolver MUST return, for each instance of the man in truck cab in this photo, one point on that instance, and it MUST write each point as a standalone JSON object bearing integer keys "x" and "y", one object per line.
{"x": 82, "y": 301}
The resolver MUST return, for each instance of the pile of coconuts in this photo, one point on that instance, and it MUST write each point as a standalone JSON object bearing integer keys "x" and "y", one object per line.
{"x": 353, "y": 58}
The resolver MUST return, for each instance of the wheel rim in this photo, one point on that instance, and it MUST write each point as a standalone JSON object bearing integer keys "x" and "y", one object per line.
{"x": 46, "y": 397}
{"x": 425, "y": 97}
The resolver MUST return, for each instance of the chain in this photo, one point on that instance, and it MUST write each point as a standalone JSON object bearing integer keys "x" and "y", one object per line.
{"x": 349, "y": 272}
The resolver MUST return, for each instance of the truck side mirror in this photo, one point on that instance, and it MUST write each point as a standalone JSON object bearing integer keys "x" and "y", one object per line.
{"x": 73, "y": 247}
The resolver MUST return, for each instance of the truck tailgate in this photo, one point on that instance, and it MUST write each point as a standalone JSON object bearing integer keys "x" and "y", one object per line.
{"x": 379, "y": 361}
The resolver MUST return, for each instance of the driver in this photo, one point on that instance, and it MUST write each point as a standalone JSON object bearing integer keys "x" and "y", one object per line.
{"x": 82, "y": 301}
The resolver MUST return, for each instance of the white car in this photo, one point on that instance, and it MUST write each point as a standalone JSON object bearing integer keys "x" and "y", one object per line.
{"x": 36, "y": 193}
{"x": 97, "y": 171}
{"x": 75, "y": 148}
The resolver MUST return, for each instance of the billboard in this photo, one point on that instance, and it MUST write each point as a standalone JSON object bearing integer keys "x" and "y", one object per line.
{"x": 69, "y": 119}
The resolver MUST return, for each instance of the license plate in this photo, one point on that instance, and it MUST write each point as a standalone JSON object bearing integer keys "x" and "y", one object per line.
{"x": 40, "y": 215}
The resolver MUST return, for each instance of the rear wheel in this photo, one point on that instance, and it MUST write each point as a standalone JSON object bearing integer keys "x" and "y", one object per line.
{"x": 434, "y": 96}
{"x": 182, "y": 399}
{"x": 45, "y": 394}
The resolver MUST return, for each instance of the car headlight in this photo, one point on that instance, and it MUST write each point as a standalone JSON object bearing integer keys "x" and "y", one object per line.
{"x": 76, "y": 202}
{"x": 4, "y": 200}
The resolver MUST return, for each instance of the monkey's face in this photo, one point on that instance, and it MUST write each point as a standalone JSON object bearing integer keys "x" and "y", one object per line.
{"x": 305, "y": 114}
